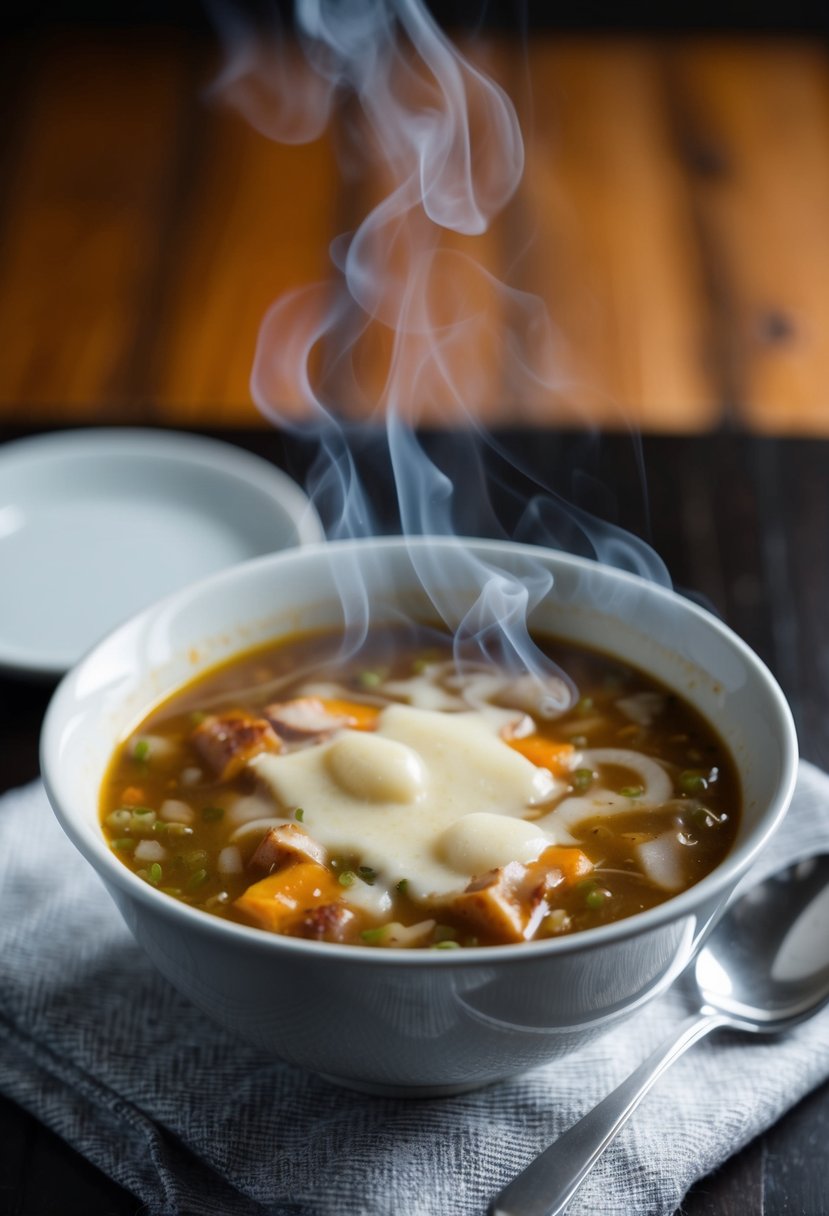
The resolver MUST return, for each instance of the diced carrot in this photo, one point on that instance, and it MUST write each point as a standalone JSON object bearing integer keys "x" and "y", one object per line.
{"x": 358, "y": 716}
{"x": 280, "y": 900}
{"x": 571, "y": 861}
{"x": 546, "y": 753}
{"x": 133, "y": 795}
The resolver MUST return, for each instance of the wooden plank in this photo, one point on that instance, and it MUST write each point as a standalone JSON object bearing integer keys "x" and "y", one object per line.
{"x": 615, "y": 255}
{"x": 758, "y": 116}
{"x": 433, "y": 347}
{"x": 255, "y": 222}
{"x": 81, "y": 223}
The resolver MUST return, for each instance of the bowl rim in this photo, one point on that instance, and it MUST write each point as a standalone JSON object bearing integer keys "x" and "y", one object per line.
{"x": 722, "y": 879}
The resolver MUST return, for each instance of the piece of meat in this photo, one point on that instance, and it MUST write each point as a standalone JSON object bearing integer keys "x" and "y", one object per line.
{"x": 283, "y": 845}
{"x": 510, "y": 903}
{"x": 227, "y": 742}
{"x": 307, "y": 718}
{"x": 328, "y": 923}
{"x": 303, "y": 718}
{"x": 490, "y": 904}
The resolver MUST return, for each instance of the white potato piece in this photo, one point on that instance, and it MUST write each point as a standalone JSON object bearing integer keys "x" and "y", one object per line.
{"x": 481, "y": 841}
{"x": 173, "y": 810}
{"x": 150, "y": 850}
{"x": 373, "y": 767}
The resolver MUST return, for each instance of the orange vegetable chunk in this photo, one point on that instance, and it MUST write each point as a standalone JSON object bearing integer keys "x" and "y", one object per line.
{"x": 279, "y": 901}
{"x": 546, "y": 753}
{"x": 357, "y": 715}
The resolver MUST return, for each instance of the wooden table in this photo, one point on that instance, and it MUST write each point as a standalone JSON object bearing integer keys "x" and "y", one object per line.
{"x": 678, "y": 193}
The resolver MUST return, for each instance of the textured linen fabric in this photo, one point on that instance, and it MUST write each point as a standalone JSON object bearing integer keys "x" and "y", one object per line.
{"x": 101, "y": 1049}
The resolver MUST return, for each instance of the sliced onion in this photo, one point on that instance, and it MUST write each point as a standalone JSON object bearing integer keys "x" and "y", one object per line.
{"x": 657, "y": 789}
{"x": 256, "y": 827}
{"x": 661, "y": 861}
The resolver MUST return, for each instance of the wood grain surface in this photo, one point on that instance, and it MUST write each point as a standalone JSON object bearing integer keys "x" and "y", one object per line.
{"x": 673, "y": 221}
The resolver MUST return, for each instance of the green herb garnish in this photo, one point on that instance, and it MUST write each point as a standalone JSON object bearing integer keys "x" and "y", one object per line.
{"x": 582, "y": 779}
{"x": 632, "y": 791}
{"x": 347, "y": 878}
{"x": 197, "y": 880}
{"x": 141, "y": 751}
{"x": 373, "y": 937}
{"x": 367, "y": 874}
{"x": 692, "y": 781}
{"x": 299, "y": 814}
{"x": 448, "y": 944}
{"x": 155, "y": 873}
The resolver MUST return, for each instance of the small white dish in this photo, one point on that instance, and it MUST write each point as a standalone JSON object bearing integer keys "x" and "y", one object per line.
{"x": 96, "y": 524}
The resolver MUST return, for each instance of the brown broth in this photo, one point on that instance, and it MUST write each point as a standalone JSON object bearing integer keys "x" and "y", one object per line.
{"x": 160, "y": 764}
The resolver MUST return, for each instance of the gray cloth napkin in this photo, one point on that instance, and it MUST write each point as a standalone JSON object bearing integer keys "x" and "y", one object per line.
{"x": 101, "y": 1049}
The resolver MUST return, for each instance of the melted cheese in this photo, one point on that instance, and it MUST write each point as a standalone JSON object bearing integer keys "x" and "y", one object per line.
{"x": 431, "y": 797}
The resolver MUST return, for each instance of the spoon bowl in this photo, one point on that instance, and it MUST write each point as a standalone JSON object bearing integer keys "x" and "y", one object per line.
{"x": 763, "y": 969}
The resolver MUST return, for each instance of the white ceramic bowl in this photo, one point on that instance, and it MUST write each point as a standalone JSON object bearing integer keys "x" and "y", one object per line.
{"x": 396, "y": 1021}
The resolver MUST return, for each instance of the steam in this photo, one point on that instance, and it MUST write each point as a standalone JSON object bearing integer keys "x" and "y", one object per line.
{"x": 444, "y": 140}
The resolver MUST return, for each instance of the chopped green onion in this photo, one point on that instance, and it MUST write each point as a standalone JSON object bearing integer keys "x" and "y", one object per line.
{"x": 373, "y": 937}
{"x": 155, "y": 874}
{"x": 632, "y": 791}
{"x": 196, "y": 859}
{"x": 120, "y": 818}
{"x": 347, "y": 878}
{"x": 160, "y": 827}
{"x": 448, "y": 944}
{"x": 142, "y": 810}
{"x": 556, "y": 922}
{"x": 692, "y": 781}
{"x": 370, "y": 679}
{"x": 179, "y": 829}
{"x": 445, "y": 933}
{"x": 141, "y": 751}
{"x": 403, "y": 886}
{"x": 197, "y": 880}
{"x": 368, "y": 875}
{"x": 582, "y": 779}
{"x": 299, "y": 814}
{"x": 595, "y": 898}
{"x": 125, "y": 844}
{"x": 212, "y": 814}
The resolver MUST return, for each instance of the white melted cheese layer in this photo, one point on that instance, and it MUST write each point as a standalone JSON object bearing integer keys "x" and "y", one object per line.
{"x": 431, "y": 797}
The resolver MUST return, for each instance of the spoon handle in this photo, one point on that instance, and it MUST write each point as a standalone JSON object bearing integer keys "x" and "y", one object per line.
{"x": 550, "y": 1181}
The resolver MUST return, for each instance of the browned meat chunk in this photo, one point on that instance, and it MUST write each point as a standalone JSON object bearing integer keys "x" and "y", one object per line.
{"x": 491, "y": 905}
{"x": 327, "y": 923}
{"x": 283, "y": 845}
{"x": 303, "y": 718}
{"x": 226, "y": 743}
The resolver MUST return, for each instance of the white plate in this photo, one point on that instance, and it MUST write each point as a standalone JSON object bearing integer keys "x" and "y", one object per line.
{"x": 96, "y": 524}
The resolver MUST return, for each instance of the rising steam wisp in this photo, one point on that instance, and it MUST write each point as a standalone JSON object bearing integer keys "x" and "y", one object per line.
{"x": 444, "y": 140}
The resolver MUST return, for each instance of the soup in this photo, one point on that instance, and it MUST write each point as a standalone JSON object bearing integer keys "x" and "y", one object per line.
{"x": 401, "y": 799}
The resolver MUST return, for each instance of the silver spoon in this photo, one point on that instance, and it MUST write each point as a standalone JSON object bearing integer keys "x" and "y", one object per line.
{"x": 764, "y": 968}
